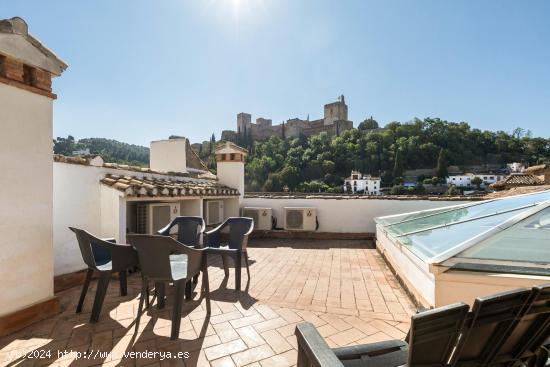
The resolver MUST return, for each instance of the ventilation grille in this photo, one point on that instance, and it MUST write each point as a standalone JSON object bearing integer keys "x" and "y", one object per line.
{"x": 295, "y": 219}
{"x": 251, "y": 213}
{"x": 141, "y": 219}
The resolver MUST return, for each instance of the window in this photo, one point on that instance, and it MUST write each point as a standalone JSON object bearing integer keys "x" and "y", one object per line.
{"x": 232, "y": 156}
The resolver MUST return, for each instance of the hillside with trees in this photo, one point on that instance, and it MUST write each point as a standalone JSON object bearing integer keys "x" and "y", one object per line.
{"x": 109, "y": 149}
{"x": 321, "y": 162}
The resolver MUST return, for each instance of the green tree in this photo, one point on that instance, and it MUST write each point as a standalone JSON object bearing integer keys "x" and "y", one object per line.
{"x": 398, "y": 164}
{"x": 441, "y": 169}
{"x": 477, "y": 181}
{"x": 368, "y": 124}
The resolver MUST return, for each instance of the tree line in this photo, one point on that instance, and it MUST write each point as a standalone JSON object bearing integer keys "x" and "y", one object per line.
{"x": 321, "y": 162}
{"x": 109, "y": 149}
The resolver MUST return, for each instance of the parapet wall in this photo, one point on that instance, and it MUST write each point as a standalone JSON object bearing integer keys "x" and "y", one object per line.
{"x": 347, "y": 214}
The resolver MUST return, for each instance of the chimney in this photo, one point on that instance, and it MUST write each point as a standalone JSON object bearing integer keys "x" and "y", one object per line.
{"x": 168, "y": 155}
{"x": 230, "y": 160}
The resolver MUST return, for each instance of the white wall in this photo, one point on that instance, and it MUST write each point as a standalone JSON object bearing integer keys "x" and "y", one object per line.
{"x": 26, "y": 254}
{"x": 76, "y": 203}
{"x": 168, "y": 155}
{"x": 345, "y": 215}
{"x": 231, "y": 174}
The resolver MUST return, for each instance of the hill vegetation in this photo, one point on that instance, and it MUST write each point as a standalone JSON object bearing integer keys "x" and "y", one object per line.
{"x": 322, "y": 162}
{"x": 109, "y": 149}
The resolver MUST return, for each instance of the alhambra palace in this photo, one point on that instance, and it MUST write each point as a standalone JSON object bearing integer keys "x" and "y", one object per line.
{"x": 334, "y": 122}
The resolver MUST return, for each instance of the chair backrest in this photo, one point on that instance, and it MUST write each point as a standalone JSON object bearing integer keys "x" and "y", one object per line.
{"x": 238, "y": 228}
{"x": 433, "y": 334}
{"x": 92, "y": 254}
{"x": 488, "y": 326}
{"x": 154, "y": 254}
{"x": 532, "y": 330}
{"x": 189, "y": 229}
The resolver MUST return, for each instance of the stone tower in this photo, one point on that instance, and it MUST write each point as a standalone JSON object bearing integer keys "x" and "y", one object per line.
{"x": 244, "y": 123}
{"x": 336, "y": 111}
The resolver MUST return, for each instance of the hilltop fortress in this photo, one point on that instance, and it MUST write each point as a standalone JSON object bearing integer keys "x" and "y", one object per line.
{"x": 335, "y": 122}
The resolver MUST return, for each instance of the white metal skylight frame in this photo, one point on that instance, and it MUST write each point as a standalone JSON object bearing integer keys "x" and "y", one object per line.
{"x": 528, "y": 211}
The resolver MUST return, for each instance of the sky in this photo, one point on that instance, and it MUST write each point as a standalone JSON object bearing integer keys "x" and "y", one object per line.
{"x": 143, "y": 70}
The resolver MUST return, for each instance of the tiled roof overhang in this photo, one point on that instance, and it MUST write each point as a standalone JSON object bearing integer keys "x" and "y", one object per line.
{"x": 133, "y": 186}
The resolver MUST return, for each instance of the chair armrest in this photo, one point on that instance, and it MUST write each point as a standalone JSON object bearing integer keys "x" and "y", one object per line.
{"x": 109, "y": 239}
{"x": 122, "y": 255}
{"x": 312, "y": 349}
{"x": 166, "y": 230}
{"x": 384, "y": 347}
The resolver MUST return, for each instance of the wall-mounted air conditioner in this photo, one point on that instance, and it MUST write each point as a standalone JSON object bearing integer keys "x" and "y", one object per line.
{"x": 263, "y": 217}
{"x": 300, "y": 219}
{"x": 213, "y": 212}
{"x": 150, "y": 217}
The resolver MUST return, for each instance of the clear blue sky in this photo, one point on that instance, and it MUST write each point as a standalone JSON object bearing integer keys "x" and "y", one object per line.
{"x": 142, "y": 70}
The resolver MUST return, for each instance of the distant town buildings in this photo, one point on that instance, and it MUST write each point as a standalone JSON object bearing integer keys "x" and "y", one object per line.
{"x": 334, "y": 122}
{"x": 365, "y": 184}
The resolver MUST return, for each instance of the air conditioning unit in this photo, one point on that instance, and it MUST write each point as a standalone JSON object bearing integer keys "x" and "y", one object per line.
{"x": 151, "y": 217}
{"x": 300, "y": 219}
{"x": 213, "y": 212}
{"x": 262, "y": 217}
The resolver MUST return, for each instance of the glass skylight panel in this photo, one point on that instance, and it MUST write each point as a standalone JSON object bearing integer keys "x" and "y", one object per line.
{"x": 528, "y": 240}
{"x": 431, "y": 243}
{"x": 467, "y": 213}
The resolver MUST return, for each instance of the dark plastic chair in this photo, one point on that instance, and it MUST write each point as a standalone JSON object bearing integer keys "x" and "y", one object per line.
{"x": 105, "y": 257}
{"x": 431, "y": 339}
{"x": 165, "y": 260}
{"x": 239, "y": 230}
{"x": 508, "y": 329}
{"x": 189, "y": 233}
{"x": 189, "y": 230}
{"x": 522, "y": 333}
{"x": 489, "y": 325}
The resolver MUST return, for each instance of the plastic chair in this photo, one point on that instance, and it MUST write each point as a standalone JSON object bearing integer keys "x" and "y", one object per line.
{"x": 105, "y": 257}
{"x": 239, "y": 230}
{"x": 165, "y": 260}
{"x": 189, "y": 233}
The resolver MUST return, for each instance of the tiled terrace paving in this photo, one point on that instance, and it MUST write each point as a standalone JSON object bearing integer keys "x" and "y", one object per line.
{"x": 343, "y": 287}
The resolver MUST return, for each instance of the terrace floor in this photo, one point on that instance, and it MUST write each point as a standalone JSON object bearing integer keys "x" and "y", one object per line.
{"x": 343, "y": 287}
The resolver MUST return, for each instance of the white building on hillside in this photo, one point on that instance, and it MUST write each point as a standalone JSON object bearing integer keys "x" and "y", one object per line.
{"x": 465, "y": 180}
{"x": 358, "y": 183}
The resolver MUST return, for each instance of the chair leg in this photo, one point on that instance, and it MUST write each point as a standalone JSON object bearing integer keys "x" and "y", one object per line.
{"x": 123, "y": 283}
{"x": 85, "y": 287}
{"x": 176, "y": 316}
{"x": 189, "y": 290}
{"x": 160, "y": 291}
{"x": 102, "y": 286}
{"x": 225, "y": 267}
{"x": 141, "y": 302}
{"x": 147, "y": 304}
{"x": 246, "y": 262}
{"x": 206, "y": 289}
{"x": 238, "y": 272}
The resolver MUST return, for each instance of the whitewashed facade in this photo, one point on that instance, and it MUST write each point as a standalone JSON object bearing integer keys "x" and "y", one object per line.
{"x": 359, "y": 183}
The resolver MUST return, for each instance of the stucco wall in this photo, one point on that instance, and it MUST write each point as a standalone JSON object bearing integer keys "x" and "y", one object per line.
{"x": 345, "y": 215}
{"x": 231, "y": 174}
{"x": 26, "y": 256}
{"x": 168, "y": 155}
{"x": 76, "y": 203}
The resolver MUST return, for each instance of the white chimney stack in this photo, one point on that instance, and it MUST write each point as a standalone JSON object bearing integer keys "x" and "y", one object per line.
{"x": 168, "y": 155}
